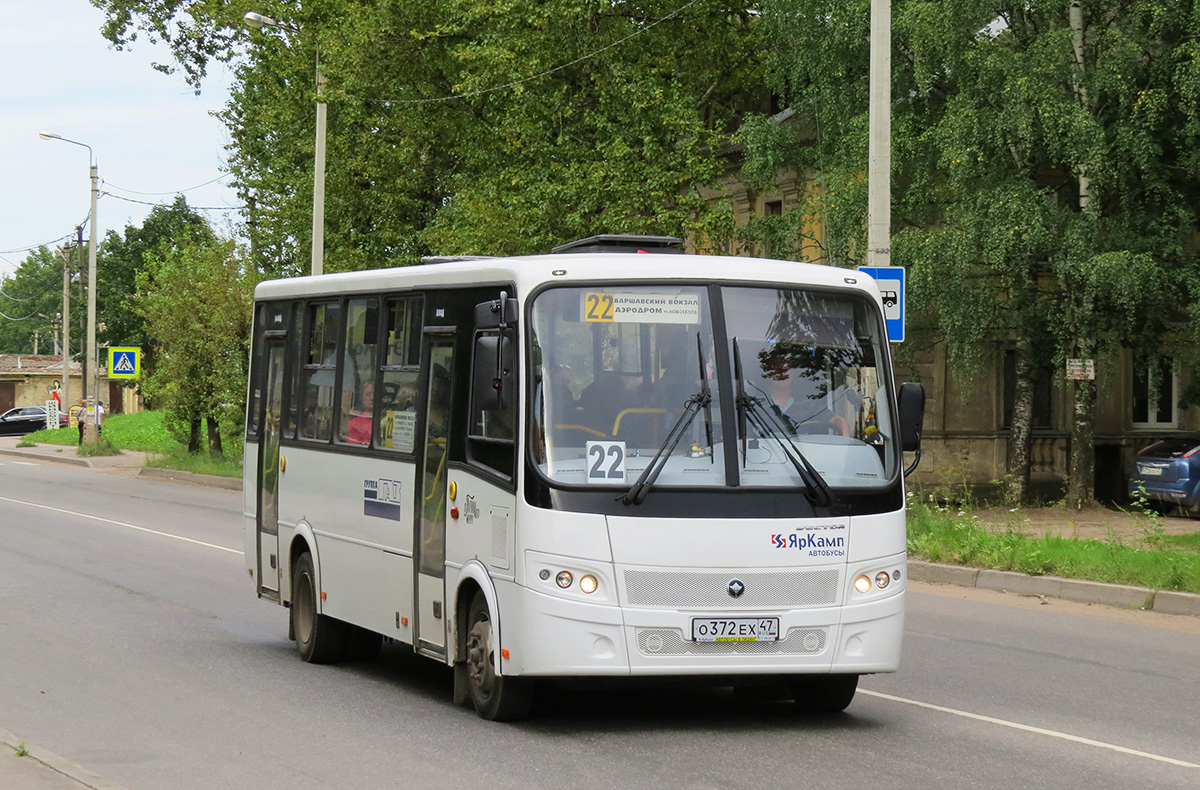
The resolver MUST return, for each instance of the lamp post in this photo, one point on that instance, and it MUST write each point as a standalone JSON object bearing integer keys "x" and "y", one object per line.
{"x": 879, "y": 148}
{"x": 258, "y": 21}
{"x": 92, "y": 377}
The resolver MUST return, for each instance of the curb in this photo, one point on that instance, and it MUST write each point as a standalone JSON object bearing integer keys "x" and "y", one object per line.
{"x": 58, "y": 764}
{"x": 47, "y": 457}
{"x": 1118, "y": 595}
{"x": 216, "y": 481}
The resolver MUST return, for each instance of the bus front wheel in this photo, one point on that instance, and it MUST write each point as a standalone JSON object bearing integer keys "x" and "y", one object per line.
{"x": 823, "y": 693}
{"x": 495, "y": 697}
{"x": 321, "y": 639}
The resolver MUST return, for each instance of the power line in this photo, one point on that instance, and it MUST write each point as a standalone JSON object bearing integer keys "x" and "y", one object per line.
{"x": 172, "y": 192}
{"x": 145, "y": 203}
{"x": 523, "y": 80}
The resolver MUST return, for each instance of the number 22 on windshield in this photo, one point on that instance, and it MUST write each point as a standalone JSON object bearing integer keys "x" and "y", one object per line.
{"x": 598, "y": 307}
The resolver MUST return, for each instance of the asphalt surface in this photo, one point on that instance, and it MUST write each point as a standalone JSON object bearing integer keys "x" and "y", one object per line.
{"x": 26, "y": 766}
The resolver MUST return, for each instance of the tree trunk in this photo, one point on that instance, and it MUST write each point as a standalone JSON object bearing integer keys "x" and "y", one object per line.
{"x": 1081, "y": 480}
{"x": 1021, "y": 430}
{"x": 214, "y": 437}
{"x": 194, "y": 436}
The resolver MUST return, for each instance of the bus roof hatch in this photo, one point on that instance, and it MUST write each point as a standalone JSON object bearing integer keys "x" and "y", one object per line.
{"x": 615, "y": 242}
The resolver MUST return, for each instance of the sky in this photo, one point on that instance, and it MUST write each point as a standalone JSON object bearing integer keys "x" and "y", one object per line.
{"x": 149, "y": 132}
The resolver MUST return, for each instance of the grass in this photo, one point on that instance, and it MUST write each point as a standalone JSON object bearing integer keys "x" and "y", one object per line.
{"x": 1166, "y": 562}
{"x": 145, "y": 432}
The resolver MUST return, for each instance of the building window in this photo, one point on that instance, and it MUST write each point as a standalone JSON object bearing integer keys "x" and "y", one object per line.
{"x": 1154, "y": 389}
{"x": 773, "y": 208}
{"x": 1043, "y": 392}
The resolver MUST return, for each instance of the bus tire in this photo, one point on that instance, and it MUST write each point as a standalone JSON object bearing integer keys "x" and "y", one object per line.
{"x": 495, "y": 697}
{"x": 320, "y": 639}
{"x": 823, "y": 693}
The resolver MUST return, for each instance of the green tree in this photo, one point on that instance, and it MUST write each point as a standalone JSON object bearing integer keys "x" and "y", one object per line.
{"x": 31, "y": 303}
{"x": 123, "y": 257}
{"x": 1044, "y": 170}
{"x": 464, "y": 127}
{"x": 195, "y": 297}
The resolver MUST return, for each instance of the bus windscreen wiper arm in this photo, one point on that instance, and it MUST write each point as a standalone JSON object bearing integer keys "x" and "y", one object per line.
{"x": 767, "y": 424}
{"x": 636, "y": 494}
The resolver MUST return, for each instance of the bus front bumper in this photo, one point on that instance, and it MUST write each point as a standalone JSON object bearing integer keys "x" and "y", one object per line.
{"x": 559, "y": 637}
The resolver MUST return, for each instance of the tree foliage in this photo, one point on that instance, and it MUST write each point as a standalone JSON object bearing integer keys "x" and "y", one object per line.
{"x": 467, "y": 127}
{"x": 31, "y": 302}
{"x": 1045, "y": 168}
{"x": 195, "y": 296}
{"x": 123, "y": 257}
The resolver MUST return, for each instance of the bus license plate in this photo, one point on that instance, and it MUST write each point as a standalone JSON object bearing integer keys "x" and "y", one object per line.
{"x": 735, "y": 629}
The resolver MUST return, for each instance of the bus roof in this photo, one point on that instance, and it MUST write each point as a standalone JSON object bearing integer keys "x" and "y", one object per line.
{"x": 529, "y": 272}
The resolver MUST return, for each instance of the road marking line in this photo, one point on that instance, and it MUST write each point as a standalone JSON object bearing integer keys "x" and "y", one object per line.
{"x": 25, "y": 463}
{"x": 122, "y": 524}
{"x": 1036, "y": 730}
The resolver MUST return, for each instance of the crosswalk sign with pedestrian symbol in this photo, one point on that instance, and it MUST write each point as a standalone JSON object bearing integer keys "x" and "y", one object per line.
{"x": 124, "y": 363}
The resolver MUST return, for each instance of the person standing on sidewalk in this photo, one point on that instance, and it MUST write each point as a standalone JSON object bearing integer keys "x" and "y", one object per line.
{"x": 81, "y": 418}
{"x": 99, "y": 420}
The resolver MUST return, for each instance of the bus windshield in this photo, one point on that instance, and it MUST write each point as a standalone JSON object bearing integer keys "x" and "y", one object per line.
{"x": 617, "y": 369}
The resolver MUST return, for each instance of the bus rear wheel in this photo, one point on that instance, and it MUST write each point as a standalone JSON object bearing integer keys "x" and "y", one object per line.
{"x": 321, "y": 639}
{"x": 495, "y": 697}
{"x": 823, "y": 693}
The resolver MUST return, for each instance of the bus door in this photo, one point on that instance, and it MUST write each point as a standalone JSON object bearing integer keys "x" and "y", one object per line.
{"x": 268, "y": 472}
{"x": 431, "y": 509}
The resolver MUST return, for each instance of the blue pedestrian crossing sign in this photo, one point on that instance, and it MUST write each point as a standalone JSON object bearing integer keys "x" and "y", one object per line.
{"x": 891, "y": 282}
{"x": 124, "y": 363}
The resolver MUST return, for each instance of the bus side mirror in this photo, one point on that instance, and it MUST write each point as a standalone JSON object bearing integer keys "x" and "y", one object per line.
{"x": 497, "y": 314}
{"x": 492, "y": 376}
{"x": 912, "y": 416}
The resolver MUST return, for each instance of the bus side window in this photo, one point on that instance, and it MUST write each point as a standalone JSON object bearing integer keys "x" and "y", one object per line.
{"x": 316, "y": 417}
{"x": 492, "y": 432}
{"x": 395, "y": 428}
{"x": 358, "y": 365}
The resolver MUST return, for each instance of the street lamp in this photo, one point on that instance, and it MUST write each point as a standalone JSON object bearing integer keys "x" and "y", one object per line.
{"x": 879, "y": 147}
{"x": 92, "y": 383}
{"x": 258, "y": 21}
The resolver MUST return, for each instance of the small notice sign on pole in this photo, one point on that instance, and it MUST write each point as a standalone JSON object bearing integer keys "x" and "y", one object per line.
{"x": 1080, "y": 369}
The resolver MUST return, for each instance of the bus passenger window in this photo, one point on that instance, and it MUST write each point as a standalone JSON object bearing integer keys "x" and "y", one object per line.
{"x": 316, "y": 419}
{"x": 397, "y": 398}
{"x": 358, "y": 372}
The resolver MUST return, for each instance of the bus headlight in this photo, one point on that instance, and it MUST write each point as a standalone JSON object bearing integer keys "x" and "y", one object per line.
{"x": 588, "y": 584}
{"x": 563, "y": 579}
{"x": 863, "y": 584}
{"x": 882, "y": 579}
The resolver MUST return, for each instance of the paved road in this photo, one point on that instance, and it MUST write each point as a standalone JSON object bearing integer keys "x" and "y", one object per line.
{"x": 132, "y": 645}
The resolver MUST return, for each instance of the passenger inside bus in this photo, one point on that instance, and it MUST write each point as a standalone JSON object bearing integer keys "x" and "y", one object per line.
{"x": 359, "y": 427}
{"x": 602, "y": 400}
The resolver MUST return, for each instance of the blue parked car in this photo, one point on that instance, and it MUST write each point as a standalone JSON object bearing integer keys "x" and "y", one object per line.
{"x": 1169, "y": 471}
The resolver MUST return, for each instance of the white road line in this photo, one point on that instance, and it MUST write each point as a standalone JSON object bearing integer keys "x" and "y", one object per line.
{"x": 25, "y": 463}
{"x": 1036, "y": 730}
{"x": 122, "y": 524}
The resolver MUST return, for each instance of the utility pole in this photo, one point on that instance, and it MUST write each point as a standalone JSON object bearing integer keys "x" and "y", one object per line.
{"x": 65, "y": 254}
{"x": 879, "y": 148}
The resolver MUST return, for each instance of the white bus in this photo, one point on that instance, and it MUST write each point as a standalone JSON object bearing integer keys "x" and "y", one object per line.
{"x": 595, "y": 463}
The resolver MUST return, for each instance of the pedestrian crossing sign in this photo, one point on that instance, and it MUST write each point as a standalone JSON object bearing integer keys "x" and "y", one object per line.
{"x": 124, "y": 363}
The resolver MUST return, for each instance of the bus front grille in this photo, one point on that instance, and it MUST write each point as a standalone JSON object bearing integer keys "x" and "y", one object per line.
{"x": 670, "y": 642}
{"x": 756, "y": 590}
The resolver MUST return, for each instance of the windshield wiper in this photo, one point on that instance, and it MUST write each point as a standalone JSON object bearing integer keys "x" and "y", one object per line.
{"x": 700, "y": 400}
{"x": 767, "y": 423}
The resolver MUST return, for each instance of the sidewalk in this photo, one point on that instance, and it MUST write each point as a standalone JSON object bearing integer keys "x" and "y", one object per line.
{"x": 39, "y": 769}
{"x": 131, "y": 462}
{"x": 66, "y": 454}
